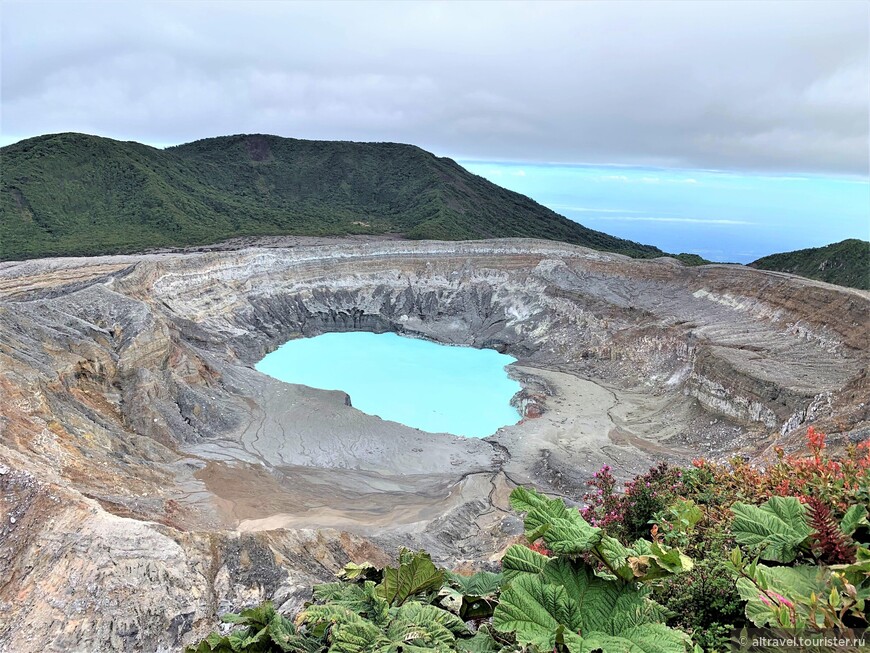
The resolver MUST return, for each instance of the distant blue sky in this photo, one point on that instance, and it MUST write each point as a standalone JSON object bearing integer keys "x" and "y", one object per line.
{"x": 723, "y": 216}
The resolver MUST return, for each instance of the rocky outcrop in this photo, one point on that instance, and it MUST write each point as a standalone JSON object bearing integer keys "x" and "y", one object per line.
{"x": 153, "y": 479}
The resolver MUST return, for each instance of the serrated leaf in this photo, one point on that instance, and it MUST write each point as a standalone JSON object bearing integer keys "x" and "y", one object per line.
{"x": 472, "y": 597}
{"x": 778, "y": 527}
{"x": 422, "y": 625}
{"x": 646, "y": 638}
{"x": 536, "y": 612}
{"x": 332, "y": 591}
{"x": 539, "y": 521}
{"x": 525, "y": 499}
{"x": 415, "y": 575}
{"x": 482, "y": 583}
{"x": 422, "y": 613}
{"x": 233, "y": 618}
{"x": 214, "y": 639}
{"x": 362, "y": 599}
{"x": 365, "y": 570}
{"x": 329, "y": 613}
{"x": 643, "y": 561}
{"x": 283, "y": 634}
{"x": 240, "y": 640}
{"x": 563, "y": 529}
{"x": 519, "y": 560}
{"x": 596, "y": 597}
{"x": 616, "y": 556}
{"x": 259, "y": 616}
{"x": 572, "y": 535}
{"x": 360, "y": 637}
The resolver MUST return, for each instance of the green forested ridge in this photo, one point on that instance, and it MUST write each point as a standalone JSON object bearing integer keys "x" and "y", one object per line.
{"x": 74, "y": 194}
{"x": 846, "y": 263}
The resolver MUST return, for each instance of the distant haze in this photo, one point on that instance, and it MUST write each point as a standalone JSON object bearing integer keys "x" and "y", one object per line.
{"x": 773, "y": 86}
{"x": 723, "y": 216}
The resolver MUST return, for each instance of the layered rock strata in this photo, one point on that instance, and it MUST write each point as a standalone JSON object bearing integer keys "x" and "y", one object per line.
{"x": 151, "y": 478}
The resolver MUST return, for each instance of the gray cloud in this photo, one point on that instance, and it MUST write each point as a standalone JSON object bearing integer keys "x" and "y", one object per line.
{"x": 770, "y": 85}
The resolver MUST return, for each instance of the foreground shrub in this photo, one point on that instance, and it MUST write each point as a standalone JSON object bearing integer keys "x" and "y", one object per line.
{"x": 628, "y": 515}
{"x": 839, "y": 481}
{"x": 704, "y": 601}
{"x": 588, "y": 593}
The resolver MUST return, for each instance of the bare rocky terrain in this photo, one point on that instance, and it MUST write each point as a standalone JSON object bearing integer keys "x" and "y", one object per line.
{"x": 152, "y": 479}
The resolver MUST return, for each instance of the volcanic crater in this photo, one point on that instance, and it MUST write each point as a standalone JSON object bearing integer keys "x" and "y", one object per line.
{"x": 153, "y": 479}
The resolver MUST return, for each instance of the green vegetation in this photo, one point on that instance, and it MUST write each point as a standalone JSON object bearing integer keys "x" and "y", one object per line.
{"x": 592, "y": 594}
{"x": 799, "y": 562}
{"x": 74, "y": 194}
{"x": 846, "y": 263}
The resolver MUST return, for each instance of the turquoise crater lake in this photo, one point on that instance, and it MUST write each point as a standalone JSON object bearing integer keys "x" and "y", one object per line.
{"x": 431, "y": 387}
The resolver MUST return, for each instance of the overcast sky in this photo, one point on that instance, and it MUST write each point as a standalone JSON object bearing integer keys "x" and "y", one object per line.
{"x": 738, "y": 85}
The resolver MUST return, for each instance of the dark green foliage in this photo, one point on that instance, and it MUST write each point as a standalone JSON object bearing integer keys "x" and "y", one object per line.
{"x": 74, "y": 194}
{"x": 629, "y": 515}
{"x": 259, "y": 630}
{"x": 690, "y": 259}
{"x": 846, "y": 263}
{"x": 415, "y": 577}
{"x": 704, "y": 601}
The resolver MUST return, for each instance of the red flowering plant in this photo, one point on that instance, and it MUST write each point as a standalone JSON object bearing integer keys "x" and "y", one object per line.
{"x": 602, "y": 501}
{"x": 629, "y": 515}
{"x": 839, "y": 481}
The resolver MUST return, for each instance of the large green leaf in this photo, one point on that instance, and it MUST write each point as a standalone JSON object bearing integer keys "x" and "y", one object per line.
{"x": 330, "y": 613}
{"x": 248, "y": 640}
{"x": 411, "y": 627}
{"x": 425, "y": 614}
{"x": 615, "y": 557}
{"x": 571, "y": 535}
{"x": 471, "y": 597}
{"x": 855, "y": 517}
{"x": 256, "y": 617}
{"x": 536, "y": 612}
{"x": 284, "y": 636}
{"x": 643, "y": 561}
{"x": 415, "y": 575}
{"x": 520, "y": 559}
{"x": 362, "y": 599}
{"x": 570, "y": 605}
{"x": 563, "y": 529}
{"x": 526, "y": 499}
{"x": 778, "y": 528}
{"x": 596, "y": 597}
{"x": 364, "y": 571}
{"x": 360, "y": 637}
{"x": 483, "y": 583}
{"x": 646, "y": 638}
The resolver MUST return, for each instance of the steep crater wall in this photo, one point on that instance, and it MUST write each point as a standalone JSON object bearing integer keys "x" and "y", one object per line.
{"x": 755, "y": 348}
{"x": 135, "y": 428}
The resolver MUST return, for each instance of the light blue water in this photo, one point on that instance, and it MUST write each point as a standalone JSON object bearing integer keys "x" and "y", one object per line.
{"x": 432, "y": 387}
{"x": 723, "y": 216}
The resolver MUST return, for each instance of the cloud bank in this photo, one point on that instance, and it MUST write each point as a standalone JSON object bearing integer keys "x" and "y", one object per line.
{"x": 738, "y": 85}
